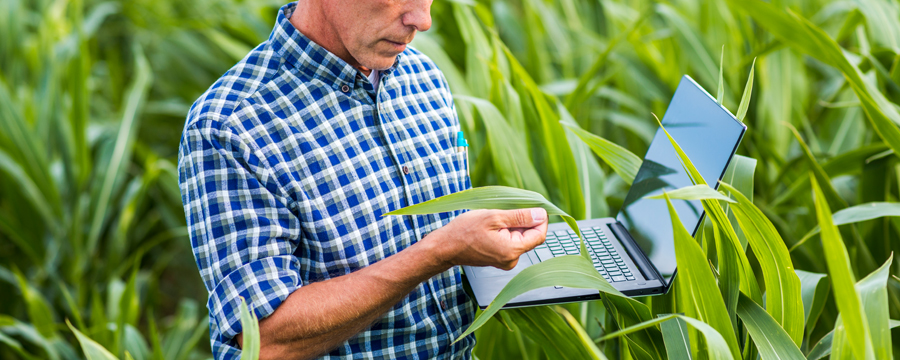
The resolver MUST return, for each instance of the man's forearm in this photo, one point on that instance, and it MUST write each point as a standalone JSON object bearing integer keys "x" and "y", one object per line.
{"x": 318, "y": 317}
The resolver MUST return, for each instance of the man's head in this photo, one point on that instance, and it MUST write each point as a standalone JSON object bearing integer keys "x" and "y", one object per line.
{"x": 365, "y": 33}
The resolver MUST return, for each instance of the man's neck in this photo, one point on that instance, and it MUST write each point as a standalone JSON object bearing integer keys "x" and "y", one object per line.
{"x": 323, "y": 33}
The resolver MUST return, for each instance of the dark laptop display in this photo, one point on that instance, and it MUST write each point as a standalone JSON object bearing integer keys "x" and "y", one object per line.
{"x": 708, "y": 134}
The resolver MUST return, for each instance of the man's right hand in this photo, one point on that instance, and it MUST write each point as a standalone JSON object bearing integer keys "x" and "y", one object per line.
{"x": 490, "y": 237}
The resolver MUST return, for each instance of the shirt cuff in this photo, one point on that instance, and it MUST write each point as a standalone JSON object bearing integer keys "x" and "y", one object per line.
{"x": 263, "y": 283}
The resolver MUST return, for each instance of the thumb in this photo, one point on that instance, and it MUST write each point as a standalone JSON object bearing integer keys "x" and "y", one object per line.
{"x": 524, "y": 218}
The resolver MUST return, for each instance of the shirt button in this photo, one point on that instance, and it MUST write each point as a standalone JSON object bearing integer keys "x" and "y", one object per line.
{"x": 345, "y": 88}
{"x": 406, "y": 170}
{"x": 443, "y": 305}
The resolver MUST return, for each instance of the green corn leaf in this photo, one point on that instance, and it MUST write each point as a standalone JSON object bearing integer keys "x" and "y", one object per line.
{"x": 694, "y": 192}
{"x": 92, "y": 350}
{"x": 675, "y": 336}
{"x": 720, "y": 93}
{"x": 121, "y": 154}
{"x": 748, "y": 91}
{"x": 507, "y": 148}
{"x": 804, "y": 36}
{"x": 559, "y": 160}
{"x": 770, "y": 338}
{"x": 874, "y": 300}
{"x": 823, "y": 347}
{"x": 783, "y": 300}
{"x": 697, "y": 285}
{"x": 740, "y": 174}
{"x": 841, "y": 273}
{"x": 570, "y": 271}
{"x": 491, "y": 197}
{"x": 693, "y": 43}
{"x": 37, "y": 307}
{"x": 581, "y": 93}
{"x": 834, "y": 199}
{"x": 623, "y": 162}
{"x": 250, "y": 333}
{"x": 717, "y": 347}
{"x": 643, "y": 344}
{"x": 814, "y": 290}
{"x": 29, "y": 189}
{"x": 583, "y": 336}
{"x": 546, "y": 327}
{"x": 855, "y": 214}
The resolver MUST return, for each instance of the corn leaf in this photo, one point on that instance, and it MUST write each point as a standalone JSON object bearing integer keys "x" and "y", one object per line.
{"x": 717, "y": 347}
{"x": 92, "y": 350}
{"x": 783, "y": 300}
{"x": 645, "y": 343}
{"x": 583, "y": 336}
{"x": 124, "y": 144}
{"x": 559, "y": 159}
{"x": 874, "y": 301}
{"x": 544, "y": 326}
{"x": 507, "y": 148}
{"x": 250, "y": 333}
{"x": 694, "y": 192}
{"x": 697, "y": 285}
{"x": 814, "y": 291}
{"x": 748, "y": 92}
{"x": 623, "y": 162}
{"x": 804, "y": 36}
{"x": 490, "y": 197}
{"x": 855, "y": 214}
{"x": 720, "y": 93}
{"x": 839, "y": 269}
{"x": 675, "y": 336}
{"x": 570, "y": 271}
{"x": 38, "y": 308}
{"x": 823, "y": 347}
{"x": 770, "y": 338}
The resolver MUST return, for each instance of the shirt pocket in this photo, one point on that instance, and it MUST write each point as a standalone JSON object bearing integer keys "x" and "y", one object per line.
{"x": 451, "y": 171}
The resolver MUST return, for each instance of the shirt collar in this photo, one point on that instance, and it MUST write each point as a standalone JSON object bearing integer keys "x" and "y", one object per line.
{"x": 309, "y": 58}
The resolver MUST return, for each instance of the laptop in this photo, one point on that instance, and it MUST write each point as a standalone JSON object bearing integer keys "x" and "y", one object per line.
{"x": 635, "y": 251}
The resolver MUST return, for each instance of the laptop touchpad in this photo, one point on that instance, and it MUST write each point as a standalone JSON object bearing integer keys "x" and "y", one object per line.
{"x": 490, "y": 271}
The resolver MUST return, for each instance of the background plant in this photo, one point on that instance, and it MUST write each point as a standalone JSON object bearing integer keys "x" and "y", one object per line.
{"x": 93, "y": 96}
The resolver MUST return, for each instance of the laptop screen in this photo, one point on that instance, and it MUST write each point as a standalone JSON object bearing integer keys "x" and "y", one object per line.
{"x": 709, "y": 135}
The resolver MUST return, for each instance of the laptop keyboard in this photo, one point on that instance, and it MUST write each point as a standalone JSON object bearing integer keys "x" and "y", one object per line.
{"x": 605, "y": 257}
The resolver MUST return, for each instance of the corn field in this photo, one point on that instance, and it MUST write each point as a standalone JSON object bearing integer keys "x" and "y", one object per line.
{"x": 794, "y": 260}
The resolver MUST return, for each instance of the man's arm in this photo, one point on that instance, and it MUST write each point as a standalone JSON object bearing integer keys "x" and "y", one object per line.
{"x": 318, "y": 317}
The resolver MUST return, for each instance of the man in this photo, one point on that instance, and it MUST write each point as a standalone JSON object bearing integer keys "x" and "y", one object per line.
{"x": 289, "y": 162}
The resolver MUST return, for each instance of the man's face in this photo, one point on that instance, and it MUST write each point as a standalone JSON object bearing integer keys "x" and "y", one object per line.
{"x": 376, "y": 31}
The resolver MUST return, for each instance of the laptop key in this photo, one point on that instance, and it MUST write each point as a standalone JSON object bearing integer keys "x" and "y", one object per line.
{"x": 543, "y": 254}
{"x": 629, "y": 278}
{"x": 618, "y": 278}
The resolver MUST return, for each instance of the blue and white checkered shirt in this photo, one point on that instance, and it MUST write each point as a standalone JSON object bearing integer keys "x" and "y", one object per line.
{"x": 287, "y": 164}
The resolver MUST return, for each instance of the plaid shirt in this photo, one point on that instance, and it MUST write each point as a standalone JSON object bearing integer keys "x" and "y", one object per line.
{"x": 287, "y": 164}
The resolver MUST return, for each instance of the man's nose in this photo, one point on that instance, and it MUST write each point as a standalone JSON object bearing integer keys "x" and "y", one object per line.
{"x": 419, "y": 15}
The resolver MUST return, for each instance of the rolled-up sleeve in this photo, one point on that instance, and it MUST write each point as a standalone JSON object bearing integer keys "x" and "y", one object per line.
{"x": 242, "y": 230}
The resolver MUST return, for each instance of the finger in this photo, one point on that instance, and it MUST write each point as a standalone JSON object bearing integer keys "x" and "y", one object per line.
{"x": 534, "y": 236}
{"x": 522, "y": 218}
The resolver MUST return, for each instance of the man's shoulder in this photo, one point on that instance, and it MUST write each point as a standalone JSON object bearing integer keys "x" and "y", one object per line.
{"x": 417, "y": 63}
{"x": 419, "y": 68}
{"x": 227, "y": 95}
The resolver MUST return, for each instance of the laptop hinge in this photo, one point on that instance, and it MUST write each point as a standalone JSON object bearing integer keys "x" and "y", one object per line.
{"x": 643, "y": 264}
